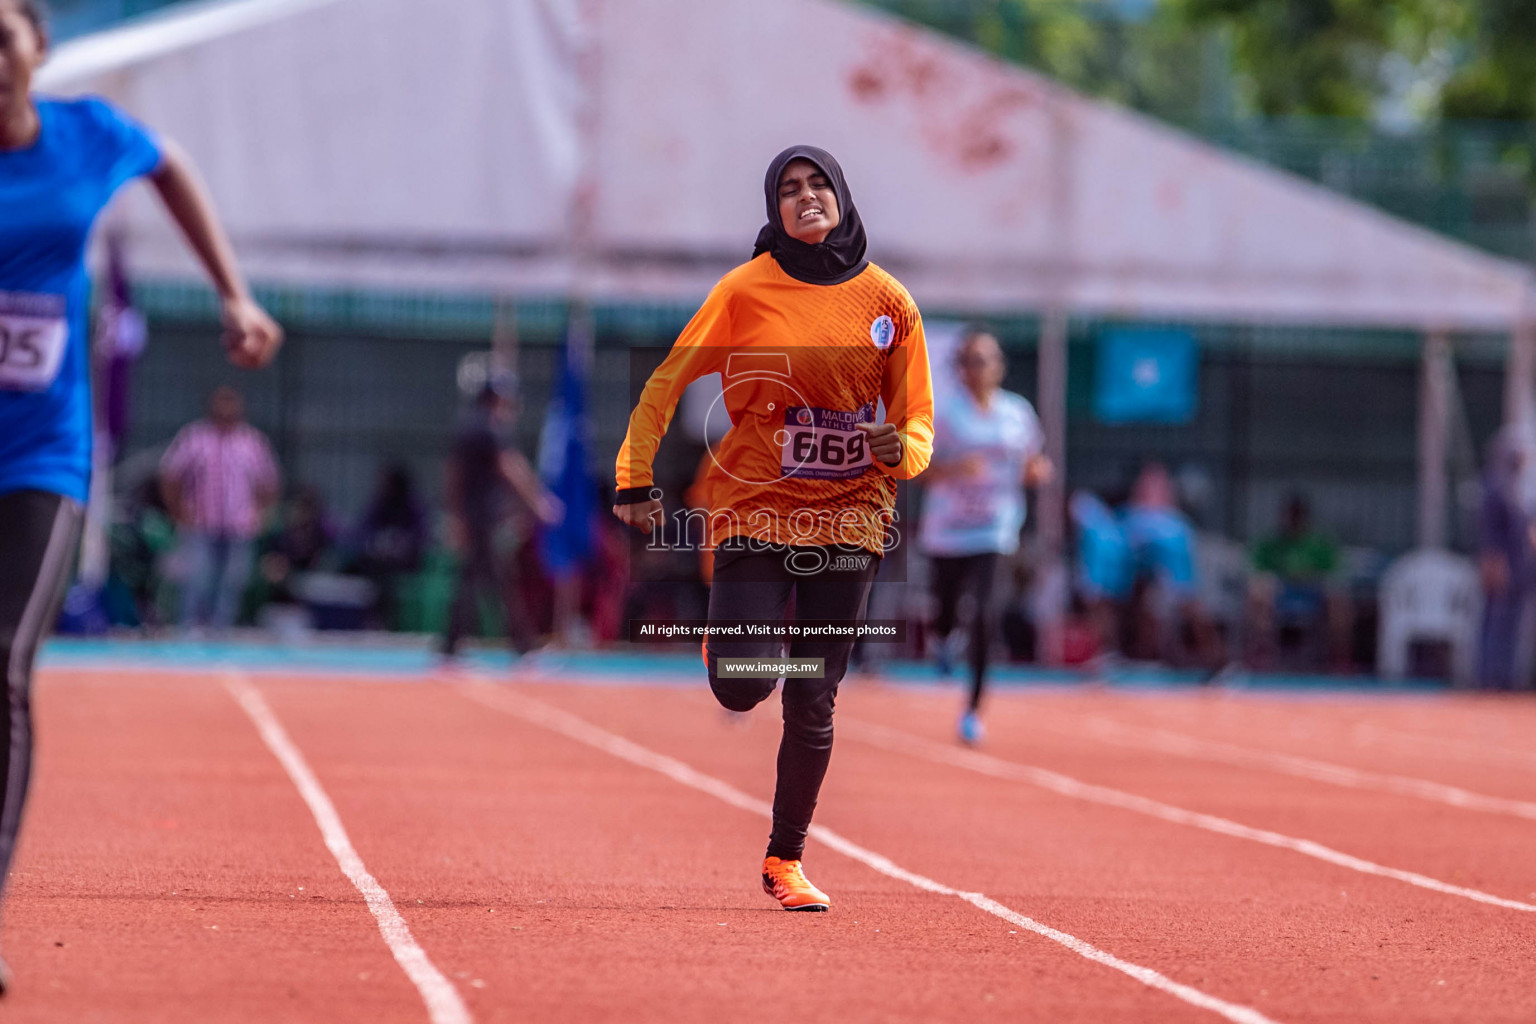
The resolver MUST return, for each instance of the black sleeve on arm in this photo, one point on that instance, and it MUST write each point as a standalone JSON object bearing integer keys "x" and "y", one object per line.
{"x": 636, "y": 495}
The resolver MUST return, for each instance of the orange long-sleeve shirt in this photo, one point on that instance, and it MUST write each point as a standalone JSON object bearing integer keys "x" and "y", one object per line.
{"x": 800, "y": 365}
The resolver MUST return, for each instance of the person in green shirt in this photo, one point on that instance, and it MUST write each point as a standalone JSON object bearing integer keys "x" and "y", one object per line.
{"x": 1298, "y": 554}
{"x": 1295, "y": 584}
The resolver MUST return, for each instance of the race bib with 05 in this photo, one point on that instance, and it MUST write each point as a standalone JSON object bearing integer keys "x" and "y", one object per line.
{"x": 33, "y": 332}
{"x": 825, "y": 444}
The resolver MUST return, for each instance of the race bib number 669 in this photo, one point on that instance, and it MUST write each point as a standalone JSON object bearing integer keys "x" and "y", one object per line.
{"x": 33, "y": 332}
{"x": 825, "y": 444}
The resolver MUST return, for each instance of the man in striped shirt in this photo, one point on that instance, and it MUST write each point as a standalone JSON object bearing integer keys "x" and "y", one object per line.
{"x": 219, "y": 479}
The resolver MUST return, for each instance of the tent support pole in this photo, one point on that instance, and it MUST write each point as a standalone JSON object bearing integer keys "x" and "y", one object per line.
{"x": 1520, "y": 373}
{"x": 1434, "y": 421}
{"x": 1053, "y": 578}
{"x": 1051, "y": 506}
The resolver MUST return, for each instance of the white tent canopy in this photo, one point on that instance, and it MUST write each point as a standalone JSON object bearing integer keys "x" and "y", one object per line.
{"x": 394, "y": 142}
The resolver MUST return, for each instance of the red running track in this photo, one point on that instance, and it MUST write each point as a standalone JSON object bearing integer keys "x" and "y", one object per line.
{"x": 172, "y": 872}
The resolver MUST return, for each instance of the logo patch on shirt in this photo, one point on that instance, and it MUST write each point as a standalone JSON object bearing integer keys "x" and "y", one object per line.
{"x": 882, "y": 332}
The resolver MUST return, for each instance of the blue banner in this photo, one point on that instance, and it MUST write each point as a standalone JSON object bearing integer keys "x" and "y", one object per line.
{"x": 563, "y": 460}
{"x": 1146, "y": 375}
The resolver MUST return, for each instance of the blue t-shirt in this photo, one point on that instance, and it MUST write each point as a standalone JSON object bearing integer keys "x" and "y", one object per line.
{"x": 50, "y": 195}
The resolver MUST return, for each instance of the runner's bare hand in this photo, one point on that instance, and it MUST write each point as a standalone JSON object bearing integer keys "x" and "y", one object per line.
{"x": 251, "y": 337}
{"x": 884, "y": 442}
{"x": 644, "y": 516}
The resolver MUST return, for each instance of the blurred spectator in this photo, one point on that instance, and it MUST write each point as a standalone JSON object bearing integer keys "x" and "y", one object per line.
{"x": 302, "y": 540}
{"x": 219, "y": 479}
{"x": 483, "y": 482}
{"x": 606, "y": 579}
{"x": 141, "y": 538}
{"x": 1104, "y": 570}
{"x": 1162, "y": 548}
{"x": 1294, "y": 588}
{"x": 391, "y": 540}
{"x": 1505, "y": 549}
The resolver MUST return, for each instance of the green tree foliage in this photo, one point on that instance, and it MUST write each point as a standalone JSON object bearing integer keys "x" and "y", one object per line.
{"x": 1328, "y": 56}
{"x": 1187, "y": 58}
{"x": 1497, "y": 77}
{"x": 1136, "y": 52}
{"x": 1322, "y": 56}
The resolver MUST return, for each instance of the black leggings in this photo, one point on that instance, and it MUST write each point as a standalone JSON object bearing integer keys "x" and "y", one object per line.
{"x": 953, "y": 578}
{"x": 38, "y": 534}
{"x": 757, "y": 585}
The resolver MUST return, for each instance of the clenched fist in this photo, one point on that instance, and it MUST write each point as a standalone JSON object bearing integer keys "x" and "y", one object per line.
{"x": 884, "y": 442}
{"x": 644, "y": 516}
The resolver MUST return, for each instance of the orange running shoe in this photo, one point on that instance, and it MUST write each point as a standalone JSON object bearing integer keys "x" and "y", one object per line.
{"x": 785, "y": 881}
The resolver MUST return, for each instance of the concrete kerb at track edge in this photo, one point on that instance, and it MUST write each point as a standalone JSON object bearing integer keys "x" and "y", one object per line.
{"x": 443, "y": 1002}
{"x": 498, "y": 697}
{"x": 896, "y": 741}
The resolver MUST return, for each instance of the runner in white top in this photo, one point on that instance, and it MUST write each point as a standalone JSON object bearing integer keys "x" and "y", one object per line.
{"x": 987, "y": 447}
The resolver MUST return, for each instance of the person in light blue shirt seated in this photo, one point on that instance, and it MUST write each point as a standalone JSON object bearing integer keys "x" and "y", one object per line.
{"x": 1103, "y": 571}
{"x": 1155, "y": 574}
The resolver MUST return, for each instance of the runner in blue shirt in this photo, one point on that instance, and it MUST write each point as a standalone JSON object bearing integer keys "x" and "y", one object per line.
{"x": 60, "y": 164}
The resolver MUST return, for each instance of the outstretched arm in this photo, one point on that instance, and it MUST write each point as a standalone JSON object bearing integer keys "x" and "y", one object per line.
{"x": 250, "y": 335}
{"x": 699, "y": 350}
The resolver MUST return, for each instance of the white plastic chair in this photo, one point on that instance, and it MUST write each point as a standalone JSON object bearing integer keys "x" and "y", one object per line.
{"x": 1221, "y": 566}
{"x": 1430, "y": 594}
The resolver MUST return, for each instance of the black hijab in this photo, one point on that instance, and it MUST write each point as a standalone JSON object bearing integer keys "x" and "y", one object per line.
{"x": 837, "y": 259}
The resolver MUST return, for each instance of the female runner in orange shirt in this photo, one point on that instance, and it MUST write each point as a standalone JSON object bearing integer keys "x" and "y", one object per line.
{"x": 809, "y": 336}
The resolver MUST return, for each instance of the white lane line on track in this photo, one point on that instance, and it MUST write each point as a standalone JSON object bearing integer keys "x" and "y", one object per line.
{"x": 985, "y": 764}
{"x": 1166, "y": 741}
{"x": 444, "y": 1004}
{"x": 1367, "y": 734}
{"x": 579, "y": 729}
